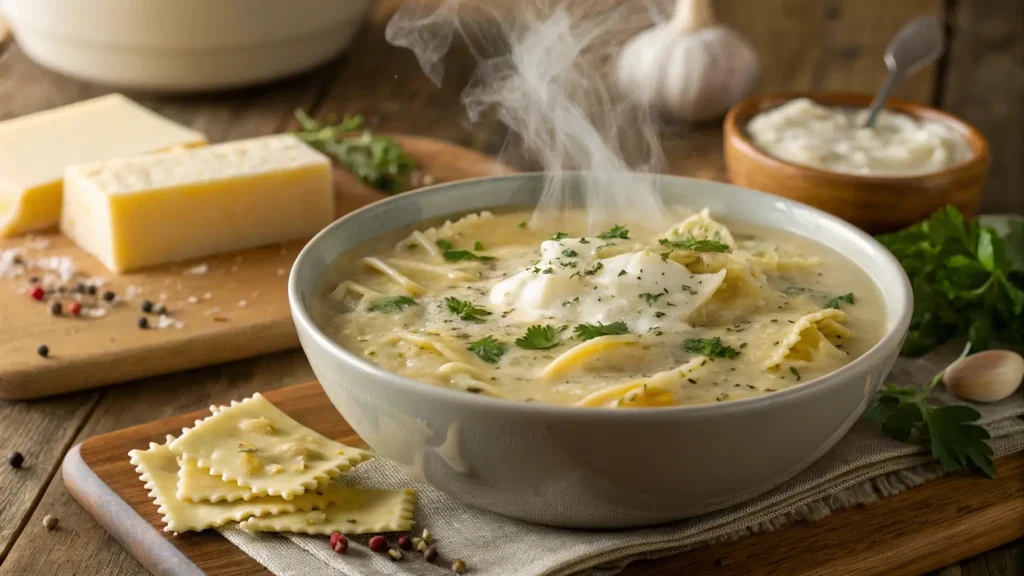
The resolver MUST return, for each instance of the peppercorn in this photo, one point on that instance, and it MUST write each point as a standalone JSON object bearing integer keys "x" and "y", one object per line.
{"x": 405, "y": 543}
{"x": 395, "y": 554}
{"x": 78, "y": 288}
{"x": 43, "y": 350}
{"x": 56, "y": 308}
{"x": 75, "y": 308}
{"x": 108, "y": 296}
{"x": 18, "y": 260}
{"x": 90, "y": 290}
{"x": 34, "y": 280}
{"x": 50, "y": 522}
{"x": 458, "y": 566}
{"x": 339, "y": 543}
{"x": 36, "y": 293}
{"x": 143, "y": 323}
{"x": 15, "y": 459}
{"x": 431, "y": 554}
{"x": 147, "y": 306}
{"x": 378, "y": 544}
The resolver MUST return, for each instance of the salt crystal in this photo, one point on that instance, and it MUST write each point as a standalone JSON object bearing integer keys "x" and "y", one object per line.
{"x": 131, "y": 291}
{"x": 213, "y": 310}
{"x": 94, "y": 311}
{"x": 64, "y": 266}
{"x": 37, "y": 243}
{"x": 242, "y": 303}
{"x": 428, "y": 179}
{"x": 192, "y": 300}
{"x": 207, "y": 295}
{"x": 281, "y": 271}
{"x": 198, "y": 269}
{"x": 162, "y": 297}
{"x": 8, "y": 268}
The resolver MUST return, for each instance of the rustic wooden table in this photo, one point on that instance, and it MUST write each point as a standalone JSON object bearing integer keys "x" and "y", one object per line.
{"x": 827, "y": 44}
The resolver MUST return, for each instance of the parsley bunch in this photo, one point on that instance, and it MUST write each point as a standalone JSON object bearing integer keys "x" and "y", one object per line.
{"x": 967, "y": 281}
{"x": 376, "y": 160}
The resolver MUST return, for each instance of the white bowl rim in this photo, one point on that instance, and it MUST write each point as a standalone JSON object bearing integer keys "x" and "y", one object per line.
{"x": 859, "y": 367}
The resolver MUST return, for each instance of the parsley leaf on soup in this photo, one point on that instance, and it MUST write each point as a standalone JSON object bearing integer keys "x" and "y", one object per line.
{"x": 444, "y": 244}
{"x": 458, "y": 255}
{"x": 540, "y": 338}
{"x": 488, "y": 349}
{"x": 392, "y": 304}
{"x": 834, "y": 303}
{"x": 466, "y": 310}
{"x": 615, "y": 232}
{"x": 591, "y": 331}
{"x": 710, "y": 347}
{"x": 695, "y": 245}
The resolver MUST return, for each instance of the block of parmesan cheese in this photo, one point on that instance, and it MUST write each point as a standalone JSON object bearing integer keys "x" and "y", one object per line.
{"x": 35, "y": 149}
{"x": 154, "y": 209}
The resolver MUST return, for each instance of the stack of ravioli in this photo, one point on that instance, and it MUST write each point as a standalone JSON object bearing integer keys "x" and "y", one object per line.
{"x": 251, "y": 463}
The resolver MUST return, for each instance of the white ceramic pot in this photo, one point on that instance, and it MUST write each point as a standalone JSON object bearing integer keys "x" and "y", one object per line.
{"x": 183, "y": 45}
{"x": 593, "y": 468}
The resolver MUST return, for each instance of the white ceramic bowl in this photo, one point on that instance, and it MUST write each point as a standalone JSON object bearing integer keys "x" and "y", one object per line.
{"x": 183, "y": 45}
{"x": 594, "y": 468}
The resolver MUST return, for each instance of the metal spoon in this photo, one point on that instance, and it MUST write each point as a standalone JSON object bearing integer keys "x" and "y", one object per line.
{"x": 918, "y": 43}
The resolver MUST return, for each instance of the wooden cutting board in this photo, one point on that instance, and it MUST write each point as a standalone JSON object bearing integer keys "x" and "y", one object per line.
{"x": 922, "y": 529}
{"x": 237, "y": 309}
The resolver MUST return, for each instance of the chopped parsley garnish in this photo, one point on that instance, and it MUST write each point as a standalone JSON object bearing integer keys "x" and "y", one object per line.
{"x": 659, "y": 314}
{"x": 695, "y": 245}
{"x": 710, "y": 347}
{"x": 688, "y": 289}
{"x": 522, "y": 225}
{"x": 795, "y": 372}
{"x": 465, "y": 309}
{"x": 584, "y": 241}
{"x": 591, "y": 271}
{"x": 616, "y": 232}
{"x": 478, "y": 246}
{"x": 392, "y": 304}
{"x": 458, "y": 255}
{"x": 488, "y": 349}
{"x": 621, "y": 273}
{"x": 376, "y": 160}
{"x": 540, "y": 337}
{"x": 569, "y": 253}
{"x": 651, "y": 298}
{"x": 444, "y": 244}
{"x": 591, "y": 331}
{"x": 559, "y": 236}
{"x": 834, "y": 303}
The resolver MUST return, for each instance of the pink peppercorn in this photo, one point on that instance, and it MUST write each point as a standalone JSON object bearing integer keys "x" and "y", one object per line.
{"x": 378, "y": 544}
{"x": 339, "y": 543}
{"x": 74, "y": 308}
{"x": 405, "y": 543}
{"x": 36, "y": 293}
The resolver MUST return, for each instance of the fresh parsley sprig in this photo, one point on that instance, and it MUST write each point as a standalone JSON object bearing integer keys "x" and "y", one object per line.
{"x": 392, "y": 304}
{"x": 540, "y": 337}
{"x": 710, "y": 347}
{"x": 835, "y": 302}
{"x": 591, "y": 331}
{"x": 376, "y": 160}
{"x": 956, "y": 440}
{"x": 466, "y": 310}
{"x": 695, "y": 245}
{"x": 968, "y": 281}
{"x": 488, "y": 349}
{"x": 615, "y": 232}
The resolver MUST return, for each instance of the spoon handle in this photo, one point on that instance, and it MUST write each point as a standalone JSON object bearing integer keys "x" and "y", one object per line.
{"x": 882, "y": 95}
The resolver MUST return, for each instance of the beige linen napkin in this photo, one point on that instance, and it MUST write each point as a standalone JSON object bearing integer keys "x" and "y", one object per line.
{"x": 862, "y": 467}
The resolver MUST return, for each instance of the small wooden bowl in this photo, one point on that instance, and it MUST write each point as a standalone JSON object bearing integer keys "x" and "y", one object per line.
{"x": 874, "y": 203}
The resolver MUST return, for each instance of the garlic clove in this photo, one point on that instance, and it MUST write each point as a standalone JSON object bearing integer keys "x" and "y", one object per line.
{"x": 988, "y": 376}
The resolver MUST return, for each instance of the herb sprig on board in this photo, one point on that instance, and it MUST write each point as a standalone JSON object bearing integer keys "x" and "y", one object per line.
{"x": 376, "y": 160}
{"x": 967, "y": 280}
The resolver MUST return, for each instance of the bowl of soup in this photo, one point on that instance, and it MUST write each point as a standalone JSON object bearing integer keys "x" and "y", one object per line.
{"x": 814, "y": 147}
{"x": 598, "y": 378}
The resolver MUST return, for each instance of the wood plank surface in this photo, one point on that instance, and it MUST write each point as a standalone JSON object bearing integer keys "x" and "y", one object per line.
{"x": 921, "y": 529}
{"x": 788, "y": 38}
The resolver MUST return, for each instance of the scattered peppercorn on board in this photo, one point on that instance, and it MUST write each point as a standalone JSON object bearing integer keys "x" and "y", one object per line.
{"x": 78, "y": 325}
{"x": 922, "y": 529}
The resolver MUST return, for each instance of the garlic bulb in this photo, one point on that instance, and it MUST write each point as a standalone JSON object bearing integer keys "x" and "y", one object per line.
{"x": 689, "y": 67}
{"x": 988, "y": 376}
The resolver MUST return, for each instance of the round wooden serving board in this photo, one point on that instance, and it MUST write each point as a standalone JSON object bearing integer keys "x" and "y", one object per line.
{"x": 237, "y": 309}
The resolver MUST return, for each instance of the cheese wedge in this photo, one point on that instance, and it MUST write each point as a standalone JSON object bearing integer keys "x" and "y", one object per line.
{"x": 37, "y": 147}
{"x": 143, "y": 211}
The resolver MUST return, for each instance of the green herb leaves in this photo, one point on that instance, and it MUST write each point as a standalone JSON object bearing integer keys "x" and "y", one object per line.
{"x": 458, "y": 255}
{"x": 376, "y": 160}
{"x": 695, "y": 245}
{"x": 392, "y": 304}
{"x": 540, "y": 337}
{"x": 967, "y": 281}
{"x": 651, "y": 298}
{"x": 444, "y": 244}
{"x": 488, "y": 349}
{"x": 834, "y": 303}
{"x": 466, "y": 310}
{"x": 559, "y": 236}
{"x": 591, "y": 331}
{"x": 710, "y": 347}
{"x": 616, "y": 232}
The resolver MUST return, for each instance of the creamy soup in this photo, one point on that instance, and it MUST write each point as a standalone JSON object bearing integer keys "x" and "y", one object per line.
{"x": 700, "y": 313}
{"x": 806, "y": 133}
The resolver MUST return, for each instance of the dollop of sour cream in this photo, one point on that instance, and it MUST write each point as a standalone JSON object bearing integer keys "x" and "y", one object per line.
{"x": 835, "y": 139}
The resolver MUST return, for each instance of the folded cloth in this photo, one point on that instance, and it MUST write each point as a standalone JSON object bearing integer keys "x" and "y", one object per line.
{"x": 864, "y": 466}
